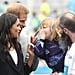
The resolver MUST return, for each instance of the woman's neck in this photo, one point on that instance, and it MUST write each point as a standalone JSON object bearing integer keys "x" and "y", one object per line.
{"x": 10, "y": 47}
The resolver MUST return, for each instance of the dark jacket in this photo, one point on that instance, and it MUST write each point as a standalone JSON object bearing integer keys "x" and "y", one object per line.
{"x": 8, "y": 67}
{"x": 51, "y": 53}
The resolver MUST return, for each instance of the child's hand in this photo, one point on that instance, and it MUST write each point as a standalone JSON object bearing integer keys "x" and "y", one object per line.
{"x": 42, "y": 34}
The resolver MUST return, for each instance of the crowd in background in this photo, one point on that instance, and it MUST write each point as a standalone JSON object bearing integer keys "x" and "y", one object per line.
{"x": 39, "y": 11}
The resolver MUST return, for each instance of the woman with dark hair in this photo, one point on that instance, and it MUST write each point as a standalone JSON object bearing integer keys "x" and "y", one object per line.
{"x": 21, "y": 11}
{"x": 11, "y": 57}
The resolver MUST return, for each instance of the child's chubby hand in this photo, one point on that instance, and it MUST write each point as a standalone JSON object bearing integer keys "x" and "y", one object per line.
{"x": 42, "y": 34}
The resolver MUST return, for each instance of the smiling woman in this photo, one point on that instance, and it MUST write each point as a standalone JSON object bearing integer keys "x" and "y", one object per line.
{"x": 9, "y": 25}
{"x": 15, "y": 30}
{"x": 11, "y": 57}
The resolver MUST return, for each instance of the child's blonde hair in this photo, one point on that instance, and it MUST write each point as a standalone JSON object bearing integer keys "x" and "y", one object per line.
{"x": 53, "y": 24}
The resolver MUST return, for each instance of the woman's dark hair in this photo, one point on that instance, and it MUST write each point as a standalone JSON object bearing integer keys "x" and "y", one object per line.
{"x": 6, "y": 22}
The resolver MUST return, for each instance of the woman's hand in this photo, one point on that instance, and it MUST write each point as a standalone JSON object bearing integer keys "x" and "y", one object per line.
{"x": 34, "y": 38}
{"x": 30, "y": 51}
{"x": 30, "y": 48}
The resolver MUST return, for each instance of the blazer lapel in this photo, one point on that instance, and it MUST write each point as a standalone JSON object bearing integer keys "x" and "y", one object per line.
{"x": 17, "y": 67}
{"x": 11, "y": 63}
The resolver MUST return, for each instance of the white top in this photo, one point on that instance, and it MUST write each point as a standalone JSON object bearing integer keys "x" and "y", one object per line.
{"x": 14, "y": 56}
{"x": 70, "y": 59}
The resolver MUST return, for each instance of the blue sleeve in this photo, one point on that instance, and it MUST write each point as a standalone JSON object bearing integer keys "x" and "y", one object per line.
{"x": 39, "y": 50}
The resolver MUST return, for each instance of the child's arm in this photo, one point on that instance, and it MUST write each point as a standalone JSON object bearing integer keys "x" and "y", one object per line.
{"x": 39, "y": 49}
{"x": 37, "y": 45}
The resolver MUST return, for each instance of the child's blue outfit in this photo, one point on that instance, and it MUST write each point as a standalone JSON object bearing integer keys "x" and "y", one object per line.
{"x": 51, "y": 52}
